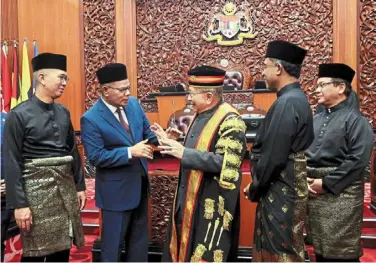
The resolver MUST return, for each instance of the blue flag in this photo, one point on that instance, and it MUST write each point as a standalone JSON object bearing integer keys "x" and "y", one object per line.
{"x": 35, "y": 54}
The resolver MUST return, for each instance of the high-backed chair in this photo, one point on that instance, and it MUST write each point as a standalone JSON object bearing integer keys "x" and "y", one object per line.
{"x": 181, "y": 119}
{"x": 238, "y": 77}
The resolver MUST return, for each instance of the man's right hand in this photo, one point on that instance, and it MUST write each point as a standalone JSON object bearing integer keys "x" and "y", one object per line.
{"x": 23, "y": 218}
{"x": 141, "y": 149}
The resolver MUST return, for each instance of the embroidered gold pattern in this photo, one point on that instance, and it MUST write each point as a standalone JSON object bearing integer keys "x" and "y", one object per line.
{"x": 271, "y": 198}
{"x": 207, "y": 232}
{"x": 270, "y": 217}
{"x": 221, "y": 206}
{"x": 218, "y": 256}
{"x": 230, "y": 143}
{"x": 232, "y": 123}
{"x": 233, "y": 159}
{"x": 226, "y": 220}
{"x": 285, "y": 208}
{"x": 215, "y": 230}
{"x": 230, "y": 174}
{"x": 199, "y": 252}
{"x": 209, "y": 208}
{"x": 284, "y": 190}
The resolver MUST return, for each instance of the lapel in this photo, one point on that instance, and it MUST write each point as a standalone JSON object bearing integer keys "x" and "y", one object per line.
{"x": 130, "y": 117}
{"x": 109, "y": 117}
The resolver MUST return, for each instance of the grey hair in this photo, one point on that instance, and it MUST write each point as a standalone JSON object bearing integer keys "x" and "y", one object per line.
{"x": 218, "y": 92}
{"x": 291, "y": 69}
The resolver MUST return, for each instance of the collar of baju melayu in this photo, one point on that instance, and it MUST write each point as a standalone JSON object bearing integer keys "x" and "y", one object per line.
{"x": 337, "y": 107}
{"x": 43, "y": 105}
{"x": 287, "y": 88}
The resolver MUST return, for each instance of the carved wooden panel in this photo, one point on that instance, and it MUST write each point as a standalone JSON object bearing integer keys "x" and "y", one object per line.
{"x": 169, "y": 38}
{"x": 367, "y": 67}
{"x": 99, "y": 42}
{"x": 163, "y": 187}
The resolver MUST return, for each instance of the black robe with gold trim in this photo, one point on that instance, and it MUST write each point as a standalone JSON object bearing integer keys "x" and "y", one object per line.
{"x": 209, "y": 184}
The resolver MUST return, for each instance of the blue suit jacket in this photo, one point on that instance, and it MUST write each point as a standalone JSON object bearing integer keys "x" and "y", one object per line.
{"x": 118, "y": 178}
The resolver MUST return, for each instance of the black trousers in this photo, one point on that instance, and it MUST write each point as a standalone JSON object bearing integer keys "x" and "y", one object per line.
{"x": 322, "y": 259}
{"x": 61, "y": 256}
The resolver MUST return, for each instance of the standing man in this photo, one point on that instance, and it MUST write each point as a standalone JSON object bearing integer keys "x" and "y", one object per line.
{"x": 277, "y": 160}
{"x": 114, "y": 133}
{"x": 336, "y": 162}
{"x": 43, "y": 171}
{"x": 205, "y": 219}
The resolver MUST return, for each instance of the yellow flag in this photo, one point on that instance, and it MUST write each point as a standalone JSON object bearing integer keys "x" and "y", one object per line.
{"x": 26, "y": 80}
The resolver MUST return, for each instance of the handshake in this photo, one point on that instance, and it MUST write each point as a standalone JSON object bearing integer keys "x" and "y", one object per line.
{"x": 167, "y": 140}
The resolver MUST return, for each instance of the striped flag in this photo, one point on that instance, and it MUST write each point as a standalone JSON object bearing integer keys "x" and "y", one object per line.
{"x": 5, "y": 79}
{"x": 35, "y": 54}
{"x": 26, "y": 82}
{"x": 15, "y": 79}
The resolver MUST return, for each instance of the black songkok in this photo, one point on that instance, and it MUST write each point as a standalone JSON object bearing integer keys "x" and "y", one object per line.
{"x": 49, "y": 61}
{"x": 112, "y": 72}
{"x": 286, "y": 51}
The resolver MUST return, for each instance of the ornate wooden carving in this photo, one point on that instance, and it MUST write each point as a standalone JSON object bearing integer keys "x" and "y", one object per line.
{"x": 367, "y": 67}
{"x": 99, "y": 42}
{"x": 149, "y": 106}
{"x": 163, "y": 187}
{"x": 169, "y": 38}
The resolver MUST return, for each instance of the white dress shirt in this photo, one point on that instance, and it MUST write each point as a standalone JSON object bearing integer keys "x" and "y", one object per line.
{"x": 113, "y": 110}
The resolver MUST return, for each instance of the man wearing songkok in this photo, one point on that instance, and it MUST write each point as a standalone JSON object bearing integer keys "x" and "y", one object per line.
{"x": 43, "y": 171}
{"x": 205, "y": 220}
{"x": 115, "y": 133}
{"x": 336, "y": 161}
{"x": 278, "y": 164}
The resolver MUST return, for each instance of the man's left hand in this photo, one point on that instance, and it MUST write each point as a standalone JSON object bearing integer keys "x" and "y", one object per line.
{"x": 315, "y": 186}
{"x": 172, "y": 147}
{"x": 81, "y": 197}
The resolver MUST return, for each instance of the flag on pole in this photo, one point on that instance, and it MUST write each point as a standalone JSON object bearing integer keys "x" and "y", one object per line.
{"x": 5, "y": 79}
{"x": 15, "y": 79}
{"x": 26, "y": 82}
{"x": 35, "y": 54}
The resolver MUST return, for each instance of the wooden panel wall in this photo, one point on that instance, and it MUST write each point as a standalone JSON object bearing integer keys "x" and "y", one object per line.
{"x": 57, "y": 27}
{"x": 126, "y": 39}
{"x": 9, "y": 22}
{"x": 346, "y": 34}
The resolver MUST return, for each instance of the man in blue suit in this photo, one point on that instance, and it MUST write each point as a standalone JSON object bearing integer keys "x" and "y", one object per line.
{"x": 115, "y": 133}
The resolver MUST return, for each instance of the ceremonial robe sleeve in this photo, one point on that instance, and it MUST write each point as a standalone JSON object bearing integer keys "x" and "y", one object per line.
{"x": 360, "y": 141}
{"x": 97, "y": 154}
{"x": 78, "y": 174}
{"x": 275, "y": 149}
{"x": 211, "y": 162}
{"x": 13, "y": 161}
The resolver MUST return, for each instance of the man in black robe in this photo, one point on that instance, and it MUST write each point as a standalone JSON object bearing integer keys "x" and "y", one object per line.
{"x": 336, "y": 160}
{"x": 278, "y": 164}
{"x": 43, "y": 171}
{"x": 205, "y": 220}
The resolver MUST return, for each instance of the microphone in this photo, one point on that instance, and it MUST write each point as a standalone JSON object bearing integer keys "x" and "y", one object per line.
{"x": 173, "y": 119}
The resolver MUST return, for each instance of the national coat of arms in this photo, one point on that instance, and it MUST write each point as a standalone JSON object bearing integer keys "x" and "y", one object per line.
{"x": 230, "y": 27}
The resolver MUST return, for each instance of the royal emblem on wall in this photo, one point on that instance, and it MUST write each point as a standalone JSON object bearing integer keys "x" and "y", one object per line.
{"x": 231, "y": 26}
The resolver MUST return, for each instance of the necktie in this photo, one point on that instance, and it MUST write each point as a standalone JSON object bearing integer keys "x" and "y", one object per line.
{"x": 122, "y": 121}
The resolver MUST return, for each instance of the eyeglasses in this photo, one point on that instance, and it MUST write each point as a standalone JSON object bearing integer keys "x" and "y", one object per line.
{"x": 63, "y": 78}
{"x": 195, "y": 93}
{"x": 323, "y": 85}
{"x": 122, "y": 89}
